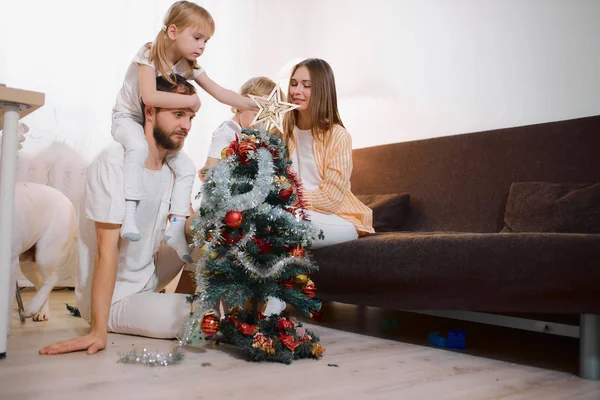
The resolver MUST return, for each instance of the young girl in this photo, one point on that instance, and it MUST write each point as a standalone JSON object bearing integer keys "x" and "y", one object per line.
{"x": 225, "y": 133}
{"x": 181, "y": 40}
{"x": 321, "y": 152}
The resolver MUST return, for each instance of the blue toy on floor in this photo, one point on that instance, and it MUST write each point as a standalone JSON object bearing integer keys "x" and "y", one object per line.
{"x": 456, "y": 339}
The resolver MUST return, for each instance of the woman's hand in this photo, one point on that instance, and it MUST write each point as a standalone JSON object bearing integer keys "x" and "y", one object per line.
{"x": 92, "y": 342}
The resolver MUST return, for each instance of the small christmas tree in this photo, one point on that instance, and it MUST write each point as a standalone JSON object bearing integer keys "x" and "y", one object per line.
{"x": 254, "y": 239}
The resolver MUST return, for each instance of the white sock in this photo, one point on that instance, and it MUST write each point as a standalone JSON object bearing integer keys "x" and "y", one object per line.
{"x": 274, "y": 306}
{"x": 175, "y": 237}
{"x": 129, "y": 229}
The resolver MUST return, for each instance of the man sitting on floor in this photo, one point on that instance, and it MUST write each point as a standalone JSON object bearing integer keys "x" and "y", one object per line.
{"x": 118, "y": 282}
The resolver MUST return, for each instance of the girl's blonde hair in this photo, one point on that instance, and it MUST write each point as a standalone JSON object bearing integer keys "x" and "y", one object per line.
{"x": 182, "y": 14}
{"x": 323, "y": 100}
{"x": 258, "y": 86}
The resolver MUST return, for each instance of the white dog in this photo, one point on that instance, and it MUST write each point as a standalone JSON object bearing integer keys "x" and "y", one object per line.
{"x": 44, "y": 231}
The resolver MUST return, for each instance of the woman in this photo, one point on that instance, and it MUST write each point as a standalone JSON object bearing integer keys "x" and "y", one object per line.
{"x": 321, "y": 152}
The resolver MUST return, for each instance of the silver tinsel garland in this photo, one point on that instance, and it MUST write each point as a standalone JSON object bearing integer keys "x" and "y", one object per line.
{"x": 273, "y": 269}
{"x": 190, "y": 334}
{"x": 219, "y": 196}
{"x": 303, "y": 229}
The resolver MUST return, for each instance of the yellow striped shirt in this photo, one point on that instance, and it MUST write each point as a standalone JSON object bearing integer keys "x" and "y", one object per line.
{"x": 333, "y": 157}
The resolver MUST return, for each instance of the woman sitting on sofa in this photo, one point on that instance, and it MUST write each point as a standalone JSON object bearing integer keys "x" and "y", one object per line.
{"x": 321, "y": 151}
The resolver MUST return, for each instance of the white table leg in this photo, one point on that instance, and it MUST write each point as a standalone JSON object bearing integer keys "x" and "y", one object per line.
{"x": 8, "y": 168}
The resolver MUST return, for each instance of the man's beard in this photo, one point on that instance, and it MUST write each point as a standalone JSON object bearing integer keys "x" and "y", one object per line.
{"x": 164, "y": 140}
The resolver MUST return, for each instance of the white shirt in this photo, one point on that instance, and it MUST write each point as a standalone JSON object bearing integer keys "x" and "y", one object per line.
{"x": 104, "y": 201}
{"x": 222, "y": 137}
{"x": 303, "y": 160}
{"x": 129, "y": 97}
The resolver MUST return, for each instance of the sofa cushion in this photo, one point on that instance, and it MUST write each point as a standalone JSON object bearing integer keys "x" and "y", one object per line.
{"x": 553, "y": 207}
{"x": 389, "y": 210}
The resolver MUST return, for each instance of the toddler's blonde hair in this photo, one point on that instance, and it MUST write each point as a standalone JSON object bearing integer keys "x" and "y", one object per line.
{"x": 182, "y": 14}
{"x": 258, "y": 86}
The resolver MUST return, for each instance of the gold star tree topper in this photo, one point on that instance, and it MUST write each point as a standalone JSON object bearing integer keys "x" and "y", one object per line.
{"x": 271, "y": 109}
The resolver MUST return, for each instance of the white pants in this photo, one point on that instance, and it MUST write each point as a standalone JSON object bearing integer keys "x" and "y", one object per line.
{"x": 149, "y": 313}
{"x": 128, "y": 130}
{"x": 335, "y": 229}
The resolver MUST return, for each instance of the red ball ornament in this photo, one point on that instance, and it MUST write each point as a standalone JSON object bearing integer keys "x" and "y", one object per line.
{"x": 234, "y": 145}
{"x": 234, "y": 219}
{"x": 245, "y": 148}
{"x": 285, "y": 194}
{"x": 210, "y": 324}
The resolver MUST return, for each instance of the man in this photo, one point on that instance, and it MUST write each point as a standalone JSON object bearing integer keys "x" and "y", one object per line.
{"x": 118, "y": 280}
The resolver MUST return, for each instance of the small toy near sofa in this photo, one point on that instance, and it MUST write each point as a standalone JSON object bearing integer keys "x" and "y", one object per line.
{"x": 503, "y": 221}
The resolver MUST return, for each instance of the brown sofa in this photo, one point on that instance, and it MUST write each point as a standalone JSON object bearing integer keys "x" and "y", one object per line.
{"x": 449, "y": 252}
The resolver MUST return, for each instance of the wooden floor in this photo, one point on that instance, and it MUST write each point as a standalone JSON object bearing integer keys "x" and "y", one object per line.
{"x": 362, "y": 361}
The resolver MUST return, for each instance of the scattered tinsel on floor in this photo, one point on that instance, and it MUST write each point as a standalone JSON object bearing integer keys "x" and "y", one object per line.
{"x": 153, "y": 359}
{"x": 191, "y": 335}
{"x": 73, "y": 310}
